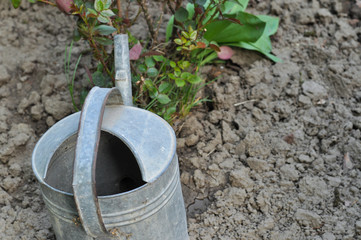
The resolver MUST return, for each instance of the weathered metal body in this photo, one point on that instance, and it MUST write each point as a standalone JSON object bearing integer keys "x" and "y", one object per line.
{"x": 111, "y": 172}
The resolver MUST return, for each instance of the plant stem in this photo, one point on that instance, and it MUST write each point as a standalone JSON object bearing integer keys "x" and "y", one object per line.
{"x": 148, "y": 19}
{"x": 47, "y": 2}
{"x": 159, "y": 21}
{"x": 120, "y": 10}
{"x": 170, "y": 7}
{"x": 99, "y": 57}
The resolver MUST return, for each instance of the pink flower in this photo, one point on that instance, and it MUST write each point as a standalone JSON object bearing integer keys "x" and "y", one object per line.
{"x": 225, "y": 53}
{"x": 64, "y": 5}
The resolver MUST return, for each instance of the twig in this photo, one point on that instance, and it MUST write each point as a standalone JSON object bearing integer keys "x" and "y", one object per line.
{"x": 47, "y": 2}
{"x": 159, "y": 23}
{"x": 210, "y": 152}
{"x": 241, "y": 103}
{"x": 120, "y": 9}
{"x": 170, "y": 7}
{"x": 120, "y": 14}
{"x": 148, "y": 19}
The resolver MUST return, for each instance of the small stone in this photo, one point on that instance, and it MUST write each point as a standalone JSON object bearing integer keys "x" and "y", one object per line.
{"x": 191, "y": 140}
{"x": 15, "y": 170}
{"x": 328, "y": 236}
{"x": 10, "y": 184}
{"x": 314, "y": 90}
{"x": 36, "y": 111}
{"x": 240, "y": 178}
{"x": 20, "y": 133}
{"x": 304, "y": 158}
{"x": 199, "y": 178}
{"x": 4, "y": 91}
{"x": 50, "y": 121}
{"x": 5, "y": 151}
{"x": 227, "y": 164}
{"x": 358, "y": 226}
{"x": 5, "y": 198}
{"x": 253, "y": 145}
{"x": 305, "y": 16}
{"x": 304, "y": 100}
{"x": 4, "y": 75}
{"x": 258, "y": 165}
{"x": 289, "y": 172}
{"x": 57, "y": 108}
{"x": 181, "y": 142}
{"x": 257, "y": 114}
{"x": 325, "y": 15}
{"x": 229, "y": 136}
{"x": 308, "y": 218}
{"x": 28, "y": 67}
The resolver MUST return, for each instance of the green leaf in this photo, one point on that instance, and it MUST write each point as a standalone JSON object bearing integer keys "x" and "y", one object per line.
{"x": 92, "y": 11}
{"x": 105, "y": 29}
{"x": 107, "y": 3}
{"x": 169, "y": 30}
{"x": 16, "y": 3}
{"x": 142, "y": 68}
{"x": 32, "y": 1}
{"x": 193, "y": 35}
{"x": 163, "y": 99}
{"x": 153, "y": 92}
{"x": 186, "y": 64}
{"x": 103, "y": 19}
{"x": 178, "y": 41}
{"x": 191, "y": 11}
{"x": 271, "y": 24}
{"x": 180, "y": 82}
{"x": 172, "y": 64}
{"x": 260, "y": 46}
{"x": 225, "y": 31}
{"x": 104, "y": 41}
{"x": 152, "y": 72}
{"x": 234, "y": 6}
{"x": 164, "y": 87}
{"x": 107, "y": 13}
{"x": 158, "y": 58}
{"x": 181, "y": 15}
{"x": 171, "y": 76}
{"x": 171, "y": 110}
{"x": 149, "y": 62}
{"x": 194, "y": 79}
{"x": 186, "y": 75}
{"x": 98, "y": 79}
{"x": 99, "y": 5}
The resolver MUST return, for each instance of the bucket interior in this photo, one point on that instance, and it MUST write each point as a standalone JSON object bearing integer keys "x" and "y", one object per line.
{"x": 117, "y": 170}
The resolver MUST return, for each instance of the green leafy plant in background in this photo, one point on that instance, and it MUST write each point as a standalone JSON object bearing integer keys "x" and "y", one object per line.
{"x": 165, "y": 75}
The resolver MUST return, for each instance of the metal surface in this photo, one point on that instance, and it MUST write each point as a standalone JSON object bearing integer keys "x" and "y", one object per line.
{"x": 85, "y": 158}
{"x": 134, "y": 176}
{"x": 123, "y": 79}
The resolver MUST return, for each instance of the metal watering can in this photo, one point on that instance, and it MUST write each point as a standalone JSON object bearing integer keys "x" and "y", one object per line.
{"x": 111, "y": 171}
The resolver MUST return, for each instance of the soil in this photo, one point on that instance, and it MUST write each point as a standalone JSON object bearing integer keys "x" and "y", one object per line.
{"x": 275, "y": 155}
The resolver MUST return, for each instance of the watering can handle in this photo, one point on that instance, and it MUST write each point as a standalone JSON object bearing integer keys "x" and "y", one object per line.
{"x": 85, "y": 160}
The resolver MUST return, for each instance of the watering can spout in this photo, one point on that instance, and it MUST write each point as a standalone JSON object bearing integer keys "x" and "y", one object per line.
{"x": 122, "y": 68}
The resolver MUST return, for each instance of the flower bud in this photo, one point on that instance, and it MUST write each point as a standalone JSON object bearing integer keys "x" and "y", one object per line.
{"x": 64, "y": 5}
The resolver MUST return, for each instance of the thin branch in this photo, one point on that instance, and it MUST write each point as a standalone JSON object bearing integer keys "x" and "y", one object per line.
{"x": 148, "y": 19}
{"x": 159, "y": 23}
{"x": 120, "y": 9}
{"x": 170, "y": 7}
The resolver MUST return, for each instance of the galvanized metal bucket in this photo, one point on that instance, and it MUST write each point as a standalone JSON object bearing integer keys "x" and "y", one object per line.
{"x": 111, "y": 172}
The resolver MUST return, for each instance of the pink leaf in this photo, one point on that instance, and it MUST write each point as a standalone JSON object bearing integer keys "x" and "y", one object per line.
{"x": 135, "y": 51}
{"x": 225, "y": 53}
